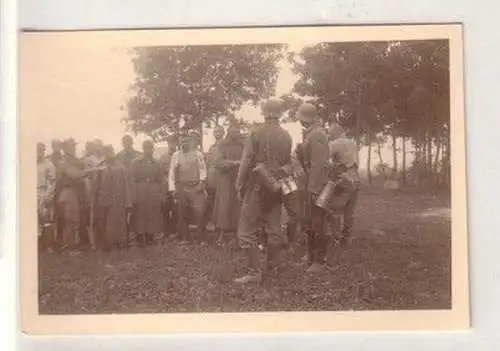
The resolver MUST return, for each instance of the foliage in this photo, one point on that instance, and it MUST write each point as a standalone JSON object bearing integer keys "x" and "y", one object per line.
{"x": 378, "y": 89}
{"x": 185, "y": 87}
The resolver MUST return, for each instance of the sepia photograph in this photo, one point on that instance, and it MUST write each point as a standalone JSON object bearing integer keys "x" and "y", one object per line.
{"x": 245, "y": 179}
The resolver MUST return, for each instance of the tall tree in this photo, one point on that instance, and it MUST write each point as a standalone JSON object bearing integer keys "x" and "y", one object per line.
{"x": 374, "y": 89}
{"x": 186, "y": 87}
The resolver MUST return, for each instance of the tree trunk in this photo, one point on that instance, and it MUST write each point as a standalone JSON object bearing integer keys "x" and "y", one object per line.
{"x": 200, "y": 131}
{"x": 403, "y": 168}
{"x": 437, "y": 171}
{"x": 379, "y": 153}
{"x": 424, "y": 157}
{"x": 429, "y": 154}
{"x": 369, "y": 162}
{"x": 394, "y": 153}
{"x": 358, "y": 119}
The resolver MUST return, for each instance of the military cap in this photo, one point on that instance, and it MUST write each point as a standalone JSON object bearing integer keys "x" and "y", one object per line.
{"x": 272, "y": 105}
{"x": 307, "y": 112}
{"x": 335, "y": 131}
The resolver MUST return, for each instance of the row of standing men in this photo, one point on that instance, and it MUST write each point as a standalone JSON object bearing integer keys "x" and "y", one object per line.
{"x": 108, "y": 199}
{"x": 105, "y": 195}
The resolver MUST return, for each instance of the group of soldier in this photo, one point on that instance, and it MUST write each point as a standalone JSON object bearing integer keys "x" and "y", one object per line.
{"x": 244, "y": 186}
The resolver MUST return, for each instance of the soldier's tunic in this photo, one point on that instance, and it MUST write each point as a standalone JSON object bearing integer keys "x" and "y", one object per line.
{"x": 90, "y": 162}
{"x": 291, "y": 222}
{"x": 345, "y": 159}
{"x": 45, "y": 192}
{"x": 69, "y": 204}
{"x": 148, "y": 183}
{"x": 112, "y": 199}
{"x": 316, "y": 161}
{"x": 212, "y": 180}
{"x": 187, "y": 174}
{"x": 56, "y": 158}
{"x": 227, "y": 208}
{"x": 271, "y": 145}
{"x": 127, "y": 158}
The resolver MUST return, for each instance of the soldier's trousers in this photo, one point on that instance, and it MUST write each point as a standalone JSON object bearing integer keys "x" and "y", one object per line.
{"x": 261, "y": 213}
{"x": 316, "y": 230}
{"x": 209, "y": 209}
{"x": 349, "y": 212}
{"x": 190, "y": 198}
{"x": 69, "y": 209}
{"x": 169, "y": 209}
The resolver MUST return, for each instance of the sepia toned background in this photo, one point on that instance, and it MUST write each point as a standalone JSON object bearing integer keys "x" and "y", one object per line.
{"x": 458, "y": 314}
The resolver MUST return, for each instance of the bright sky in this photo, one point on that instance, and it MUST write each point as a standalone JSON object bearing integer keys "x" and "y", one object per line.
{"x": 76, "y": 90}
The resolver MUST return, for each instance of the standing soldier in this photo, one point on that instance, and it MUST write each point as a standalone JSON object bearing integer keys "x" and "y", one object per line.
{"x": 112, "y": 198}
{"x": 91, "y": 160}
{"x": 56, "y": 158}
{"x": 128, "y": 154}
{"x": 344, "y": 159}
{"x": 187, "y": 180}
{"x": 266, "y": 157}
{"x": 71, "y": 182}
{"x": 315, "y": 158}
{"x": 293, "y": 220}
{"x": 45, "y": 195}
{"x": 148, "y": 181}
{"x": 56, "y": 155}
{"x": 126, "y": 158}
{"x": 169, "y": 207}
{"x": 213, "y": 173}
{"x": 226, "y": 206}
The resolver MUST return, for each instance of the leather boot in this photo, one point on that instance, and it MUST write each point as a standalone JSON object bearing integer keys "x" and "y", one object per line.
{"x": 273, "y": 260}
{"x": 310, "y": 241}
{"x": 141, "y": 240}
{"x": 345, "y": 236}
{"x": 254, "y": 273}
{"x": 320, "y": 248}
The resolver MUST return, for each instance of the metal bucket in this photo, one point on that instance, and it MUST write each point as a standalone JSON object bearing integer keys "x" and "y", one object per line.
{"x": 333, "y": 197}
{"x": 326, "y": 195}
{"x": 288, "y": 186}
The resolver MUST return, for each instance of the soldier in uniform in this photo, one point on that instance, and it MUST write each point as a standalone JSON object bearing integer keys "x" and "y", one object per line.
{"x": 292, "y": 226}
{"x": 213, "y": 172}
{"x": 344, "y": 159}
{"x": 128, "y": 154}
{"x": 69, "y": 202}
{"x": 149, "y": 186}
{"x": 169, "y": 206}
{"x": 45, "y": 196}
{"x": 268, "y": 146}
{"x": 126, "y": 157}
{"x": 315, "y": 157}
{"x": 56, "y": 158}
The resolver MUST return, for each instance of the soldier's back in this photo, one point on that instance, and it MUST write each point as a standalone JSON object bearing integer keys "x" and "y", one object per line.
{"x": 273, "y": 144}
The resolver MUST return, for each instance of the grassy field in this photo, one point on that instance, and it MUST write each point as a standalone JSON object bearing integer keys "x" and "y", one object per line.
{"x": 400, "y": 259}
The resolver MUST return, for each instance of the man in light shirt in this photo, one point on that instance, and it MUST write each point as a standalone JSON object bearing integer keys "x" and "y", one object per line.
{"x": 187, "y": 180}
{"x": 345, "y": 159}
